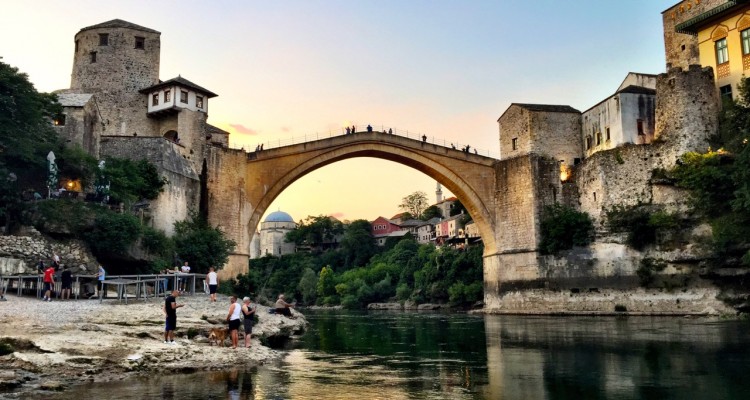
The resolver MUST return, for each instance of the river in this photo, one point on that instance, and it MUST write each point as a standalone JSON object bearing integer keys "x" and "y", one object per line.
{"x": 384, "y": 355}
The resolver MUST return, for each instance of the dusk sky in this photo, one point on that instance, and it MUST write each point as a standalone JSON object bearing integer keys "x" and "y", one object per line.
{"x": 289, "y": 69}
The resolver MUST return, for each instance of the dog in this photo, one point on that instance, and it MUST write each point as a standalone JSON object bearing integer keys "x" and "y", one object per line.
{"x": 217, "y": 335}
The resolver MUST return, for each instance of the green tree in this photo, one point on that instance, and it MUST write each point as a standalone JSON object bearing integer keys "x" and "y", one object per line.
{"x": 414, "y": 204}
{"x": 358, "y": 245}
{"x": 308, "y": 286}
{"x": 315, "y": 230}
{"x": 202, "y": 245}
{"x": 326, "y": 283}
{"x": 113, "y": 233}
{"x": 131, "y": 180}
{"x": 431, "y": 212}
{"x": 563, "y": 227}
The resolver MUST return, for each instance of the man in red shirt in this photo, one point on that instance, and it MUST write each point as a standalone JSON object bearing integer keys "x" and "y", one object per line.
{"x": 49, "y": 282}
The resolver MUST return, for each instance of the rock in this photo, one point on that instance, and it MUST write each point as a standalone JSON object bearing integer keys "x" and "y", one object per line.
{"x": 52, "y": 385}
{"x": 410, "y": 305}
{"x": 429, "y": 306}
{"x": 385, "y": 306}
{"x": 90, "y": 327}
{"x": 135, "y": 357}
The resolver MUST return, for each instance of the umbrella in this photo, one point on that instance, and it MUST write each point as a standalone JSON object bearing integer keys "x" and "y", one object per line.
{"x": 52, "y": 178}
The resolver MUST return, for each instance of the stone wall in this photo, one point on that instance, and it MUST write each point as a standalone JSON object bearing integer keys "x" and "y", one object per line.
{"x": 681, "y": 49}
{"x": 181, "y": 193}
{"x": 82, "y": 127}
{"x": 514, "y": 124}
{"x": 556, "y": 135}
{"x": 20, "y": 254}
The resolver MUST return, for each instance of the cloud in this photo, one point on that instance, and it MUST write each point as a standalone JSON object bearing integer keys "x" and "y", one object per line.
{"x": 338, "y": 215}
{"x": 239, "y": 128}
{"x": 286, "y": 129}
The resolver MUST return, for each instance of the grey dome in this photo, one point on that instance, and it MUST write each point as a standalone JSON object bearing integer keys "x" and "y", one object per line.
{"x": 279, "y": 216}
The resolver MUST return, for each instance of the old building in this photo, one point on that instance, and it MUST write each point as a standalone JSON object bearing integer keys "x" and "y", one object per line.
{"x": 273, "y": 232}
{"x": 543, "y": 129}
{"x": 117, "y": 106}
{"x": 625, "y": 117}
{"x": 712, "y": 33}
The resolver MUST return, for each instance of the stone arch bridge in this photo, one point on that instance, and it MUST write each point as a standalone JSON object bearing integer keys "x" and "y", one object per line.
{"x": 505, "y": 198}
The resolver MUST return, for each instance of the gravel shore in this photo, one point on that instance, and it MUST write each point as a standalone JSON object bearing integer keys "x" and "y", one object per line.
{"x": 52, "y": 345}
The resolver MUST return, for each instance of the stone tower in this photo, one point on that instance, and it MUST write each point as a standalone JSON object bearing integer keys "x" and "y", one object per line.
{"x": 114, "y": 60}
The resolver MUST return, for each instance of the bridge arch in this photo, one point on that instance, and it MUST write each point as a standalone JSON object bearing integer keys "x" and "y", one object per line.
{"x": 452, "y": 180}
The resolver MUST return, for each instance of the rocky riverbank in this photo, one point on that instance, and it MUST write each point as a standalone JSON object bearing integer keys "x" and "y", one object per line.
{"x": 48, "y": 346}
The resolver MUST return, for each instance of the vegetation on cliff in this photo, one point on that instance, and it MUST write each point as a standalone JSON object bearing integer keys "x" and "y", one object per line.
{"x": 563, "y": 227}
{"x": 359, "y": 272}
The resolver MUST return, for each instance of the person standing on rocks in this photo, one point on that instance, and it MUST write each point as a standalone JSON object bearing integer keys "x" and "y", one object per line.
{"x": 66, "y": 279}
{"x": 248, "y": 312}
{"x": 49, "y": 282}
{"x": 100, "y": 275}
{"x": 170, "y": 314}
{"x": 213, "y": 283}
{"x": 234, "y": 320}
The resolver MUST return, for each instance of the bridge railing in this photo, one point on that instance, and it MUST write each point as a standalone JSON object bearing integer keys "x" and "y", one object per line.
{"x": 382, "y": 129}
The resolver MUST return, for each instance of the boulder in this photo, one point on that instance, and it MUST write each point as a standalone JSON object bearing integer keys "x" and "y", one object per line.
{"x": 385, "y": 306}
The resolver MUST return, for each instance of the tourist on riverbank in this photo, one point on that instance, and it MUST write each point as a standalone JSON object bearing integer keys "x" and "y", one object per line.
{"x": 170, "y": 314}
{"x": 248, "y": 313}
{"x": 282, "y": 307}
{"x": 100, "y": 275}
{"x": 213, "y": 283}
{"x": 234, "y": 320}
{"x": 185, "y": 269}
{"x": 49, "y": 283}
{"x": 66, "y": 281}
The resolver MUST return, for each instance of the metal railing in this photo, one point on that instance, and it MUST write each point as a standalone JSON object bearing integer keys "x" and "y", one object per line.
{"x": 382, "y": 129}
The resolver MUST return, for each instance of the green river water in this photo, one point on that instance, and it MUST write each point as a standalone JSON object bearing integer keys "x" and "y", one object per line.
{"x": 384, "y": 355}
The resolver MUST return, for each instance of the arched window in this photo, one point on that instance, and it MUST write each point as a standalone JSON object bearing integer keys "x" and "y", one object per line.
{"x": 172, "y": 135}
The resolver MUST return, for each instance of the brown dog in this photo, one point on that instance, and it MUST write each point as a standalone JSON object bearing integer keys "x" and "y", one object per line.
{"x": 217, "y": 335}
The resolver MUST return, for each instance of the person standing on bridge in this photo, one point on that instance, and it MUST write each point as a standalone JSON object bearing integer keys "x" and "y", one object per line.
{"x": 348, "y": 130}
{"x": 369, "y": 128}
{"x": 424, "y": 138}
{"x": 353, "y": 129}
{"x": 390, "y": 131}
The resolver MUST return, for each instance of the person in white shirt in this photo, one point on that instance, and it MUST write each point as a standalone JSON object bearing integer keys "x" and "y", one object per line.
{"x": 213, "y": 283}
{"x": 185, "y": 269}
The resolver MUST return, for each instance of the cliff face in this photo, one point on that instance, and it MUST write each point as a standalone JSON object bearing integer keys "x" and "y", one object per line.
{"x": 21, "y": 254}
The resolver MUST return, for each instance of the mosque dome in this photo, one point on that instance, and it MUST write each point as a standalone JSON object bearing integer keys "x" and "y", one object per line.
{"x": 279, "y": 216}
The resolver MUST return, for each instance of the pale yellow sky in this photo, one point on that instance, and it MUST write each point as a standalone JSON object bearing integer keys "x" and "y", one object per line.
{"x": 292, "y": 68}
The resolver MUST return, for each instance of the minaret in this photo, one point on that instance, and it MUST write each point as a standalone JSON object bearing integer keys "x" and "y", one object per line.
{"x": 438, "y": 194}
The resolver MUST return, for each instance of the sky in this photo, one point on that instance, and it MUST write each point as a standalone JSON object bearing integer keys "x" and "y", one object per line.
{"x": 292, "y": 69}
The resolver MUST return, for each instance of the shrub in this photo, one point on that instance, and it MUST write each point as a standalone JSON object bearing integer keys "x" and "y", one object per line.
{"x": 648, "y": 269}
{"x": 563, "y": 227}
{"x": 113, "y": 233}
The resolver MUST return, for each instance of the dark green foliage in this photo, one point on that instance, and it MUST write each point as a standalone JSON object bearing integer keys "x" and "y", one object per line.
{"x": 326, "y": 285}
{"x": 563, "y": 227}
{"x": 308, "y": 286}
{"x": 708, "y": 177}
{"x": 431, "y": 212}
{"x": 200, "y": 244}
{"x": 358, "y": 245}
{"x": 112, "y": 233}
{"x": 648, "y": 269}
{"x": 314, "y": 231}
{"x": 642, "y": 224}
{"x": 457, "y": 208}
{"x": 74, "y": 163}
{"x": 131, "y": 181}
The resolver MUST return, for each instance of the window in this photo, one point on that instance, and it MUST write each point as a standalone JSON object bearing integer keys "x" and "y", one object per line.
{"x": 155, "y": 99}
{"x": 199, "y": 101}
{"x": 183, "y": 96}
{"x": 576, "y": 161}
{"x": 92, "y": 55}
{"x": 594, "y": 196}
{"x": 726, "y": 93}
{"x": 140, "y": 42}
{"x": 76, "y": 50}
{"x": 59, "y": 120}
{"x": 104, "y": 39}
{"x": 608, "y": 135}
{"x": 588, "y": 142}
{"x": 722, "y": 55}
{"x": 598, "y": 138}
{"x": 167, "y": 96}
{"x": 514, "y": 143}
{"x": 640, "y": 127}
{"x": 745, "y": 35}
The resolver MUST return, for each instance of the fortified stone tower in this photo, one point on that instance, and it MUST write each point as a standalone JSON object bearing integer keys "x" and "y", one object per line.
{"x": 114, "y": 60}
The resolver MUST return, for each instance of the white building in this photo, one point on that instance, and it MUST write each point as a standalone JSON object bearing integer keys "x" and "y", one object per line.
{"x": 273, "y": 232}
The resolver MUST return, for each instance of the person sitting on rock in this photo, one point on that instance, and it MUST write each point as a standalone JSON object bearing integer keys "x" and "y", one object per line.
{"x": 282, "y": 307}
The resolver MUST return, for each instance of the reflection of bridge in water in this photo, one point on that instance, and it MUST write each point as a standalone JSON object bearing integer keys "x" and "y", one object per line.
{"x": 504, "y": 197}
{"x": 380, "y": 129}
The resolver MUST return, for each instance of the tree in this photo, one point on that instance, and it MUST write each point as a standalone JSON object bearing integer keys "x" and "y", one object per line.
{"x": 414, "y": 203}
{"x": 326, "y": 282}
{"x": 358, "y": 245}
{"x": 431, "y": 212}
{"x": 458, "y": 208}
{"x": 308, "y": 286}
{"x": 131, "y": 180}
{"x": 563, "y": 227}
{"x": 315, "y": 230}
{"x": 201, "y": 244}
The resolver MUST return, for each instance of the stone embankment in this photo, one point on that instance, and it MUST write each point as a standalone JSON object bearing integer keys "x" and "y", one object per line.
{"x": 20, "y": 254}
{"x": 50, "y": 346}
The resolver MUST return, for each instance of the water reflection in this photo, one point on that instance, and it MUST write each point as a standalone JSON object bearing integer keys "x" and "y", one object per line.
{"x": 437, "y": 356}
